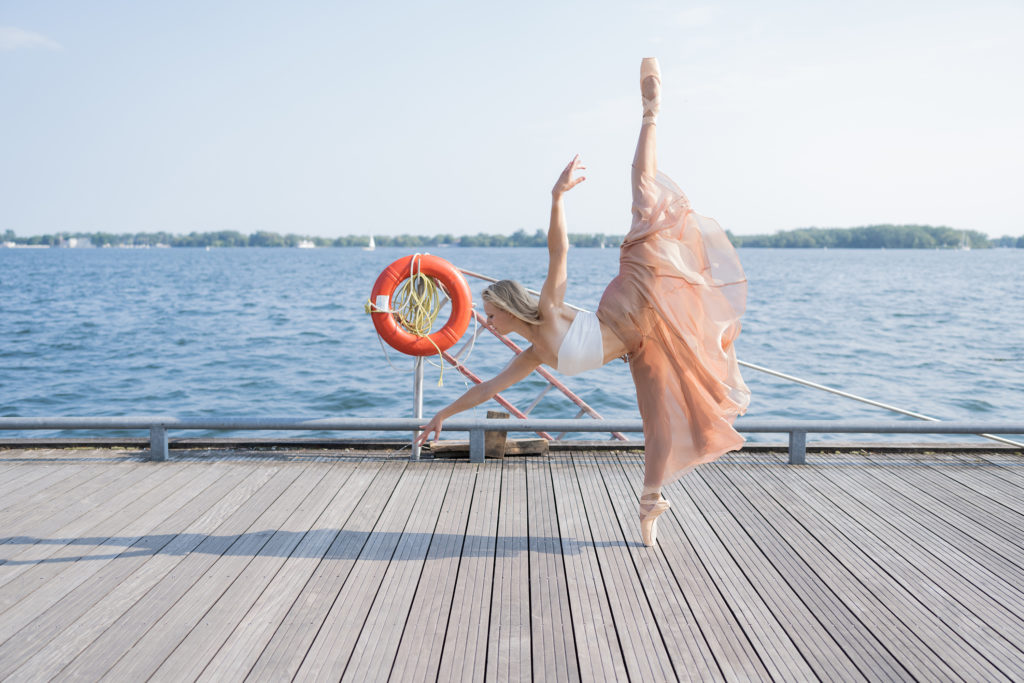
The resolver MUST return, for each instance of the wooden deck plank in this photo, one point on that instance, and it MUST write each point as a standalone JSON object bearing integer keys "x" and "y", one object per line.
{"x": 284, "y": 653}
{"x": 685, "y": 641}
{"x": 76, "y": 563}
{"x": 1005, "y": 491}
{"x": 246, "y": 643}
{"x": 233, "y": 491}
{"x": 33, "y": 498}
{"x": 1000, "y": 458}
{"x": 837, "y": 599}
{"x": 50, "y": 507}
{"x": 597, "y": 644}
{"x": 373, "y": 655}
{"x": 887, "y": 575}
{"x": 191, "y": 655}
{"x": 45, "y": 645}
{"x": 159, "y": 641}
{"x": 967, "y": 527}
{"x": 929, "y": 534}
{"x": 10, "y": 472}
{"x": 734, "y": 653}
{"x": 464, "y": 656}
{"x": 13, "y": 475}
{"x": 36, "y": 538}
{"x": 859, "y": 648}
{"x": 554, "y": 646}
{"x": 117, "y": 640}
{"x": 911, "y": 535}
{"x": 779, "y": 654}
{"x": 509, "y": 641}
{"x": 880, "y": 617}
{"x": 800, "y": 623}
{"x": 76, "y": 491}
{"x": 332, "y": 648}
{"x": 643, "y": 649}
{"x": 26, "y": 481}
{"x": 419, "y": 652}
{"x": 8, "y": 465}
{"x": 989, "y": 515}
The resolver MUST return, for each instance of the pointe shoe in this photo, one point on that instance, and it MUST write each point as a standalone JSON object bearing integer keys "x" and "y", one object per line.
{"x": 652, "y": 105}
{"x": 649, "y": 513}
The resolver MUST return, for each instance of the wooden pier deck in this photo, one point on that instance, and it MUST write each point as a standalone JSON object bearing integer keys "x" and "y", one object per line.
{"x": 358, "y": 566}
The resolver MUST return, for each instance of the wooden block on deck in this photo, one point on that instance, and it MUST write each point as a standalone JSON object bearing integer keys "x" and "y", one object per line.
{"x": 494, "y": 440}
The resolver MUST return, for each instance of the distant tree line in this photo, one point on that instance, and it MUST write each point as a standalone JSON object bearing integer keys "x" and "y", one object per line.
{"x": 231, "y": 238}
{"x": 867, "y": 237}
{"x": 876, "y": 237}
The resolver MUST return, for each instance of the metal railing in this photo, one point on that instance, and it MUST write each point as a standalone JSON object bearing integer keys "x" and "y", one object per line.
{"x": 158, "y": 426}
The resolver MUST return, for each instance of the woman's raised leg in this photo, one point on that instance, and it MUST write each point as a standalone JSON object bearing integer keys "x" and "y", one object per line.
{"x": 645, "y": 161}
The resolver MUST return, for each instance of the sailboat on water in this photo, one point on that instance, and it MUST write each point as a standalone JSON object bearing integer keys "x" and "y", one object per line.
{"x": 964, "y": 244}
{"x": 371, "y": 246}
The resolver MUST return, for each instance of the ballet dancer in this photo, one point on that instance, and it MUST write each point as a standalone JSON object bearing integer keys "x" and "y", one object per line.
{"x": 673, "y": 310}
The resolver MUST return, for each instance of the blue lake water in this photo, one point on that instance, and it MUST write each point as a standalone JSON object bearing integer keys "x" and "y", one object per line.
{"x": 282, "y": 332}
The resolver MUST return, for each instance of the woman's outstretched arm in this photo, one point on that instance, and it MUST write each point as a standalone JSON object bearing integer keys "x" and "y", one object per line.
{"x": 553, "y": 291}
{"x": 519, "y": 367}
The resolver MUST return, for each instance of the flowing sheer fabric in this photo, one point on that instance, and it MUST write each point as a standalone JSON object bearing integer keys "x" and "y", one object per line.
{"x": 676, "y": 304}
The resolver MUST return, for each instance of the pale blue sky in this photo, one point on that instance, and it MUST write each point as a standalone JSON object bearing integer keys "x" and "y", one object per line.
{"x": 336, "y": 118}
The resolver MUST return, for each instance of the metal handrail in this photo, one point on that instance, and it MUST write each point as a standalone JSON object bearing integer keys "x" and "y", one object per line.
{"x": 157, "y": 425}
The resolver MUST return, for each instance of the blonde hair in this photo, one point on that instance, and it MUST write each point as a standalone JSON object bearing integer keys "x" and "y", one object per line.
{"x": 512, "y": 297}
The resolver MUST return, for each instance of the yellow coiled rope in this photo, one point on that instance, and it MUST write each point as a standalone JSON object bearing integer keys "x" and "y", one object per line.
{"x": 417, "y": 303}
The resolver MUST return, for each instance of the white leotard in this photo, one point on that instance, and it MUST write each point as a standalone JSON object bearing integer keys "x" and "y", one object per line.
{"x": 582, "y": 347}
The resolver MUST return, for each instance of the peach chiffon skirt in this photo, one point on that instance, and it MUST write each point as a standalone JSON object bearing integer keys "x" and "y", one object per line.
{"x": 676, "y": 304}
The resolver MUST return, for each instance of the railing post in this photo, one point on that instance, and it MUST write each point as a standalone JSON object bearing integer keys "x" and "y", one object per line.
{"x": 798, "y": 448}
{"x": 157, "y": 443}
{"x": 417, "y": 403}
{"x": 476, "y": 445}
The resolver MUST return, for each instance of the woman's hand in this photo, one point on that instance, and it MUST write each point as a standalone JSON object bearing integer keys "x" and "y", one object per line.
{"x": 565, "y": 181}
{"x": 433, "y": 426}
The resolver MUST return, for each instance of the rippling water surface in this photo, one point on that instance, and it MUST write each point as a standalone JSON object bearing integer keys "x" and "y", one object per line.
{"x": 282, "y": 332}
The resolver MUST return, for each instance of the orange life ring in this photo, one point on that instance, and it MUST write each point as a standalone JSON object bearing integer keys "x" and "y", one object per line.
{"x": 454, "y": 285}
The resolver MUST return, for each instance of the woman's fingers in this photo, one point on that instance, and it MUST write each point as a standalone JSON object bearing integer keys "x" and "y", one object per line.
{"x": 574, "y": 165}
{"x": 432, "y": 426}
{"x": 422, "y": 438}
{"x": 565, "y": 180}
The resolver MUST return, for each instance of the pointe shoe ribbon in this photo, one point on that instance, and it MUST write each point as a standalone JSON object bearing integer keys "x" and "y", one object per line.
{"x": 649, "y": 68}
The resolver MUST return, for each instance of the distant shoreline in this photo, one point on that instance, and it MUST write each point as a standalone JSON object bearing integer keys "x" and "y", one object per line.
{"x": 34, "y": 247}
{"x": 884, "y": 236}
